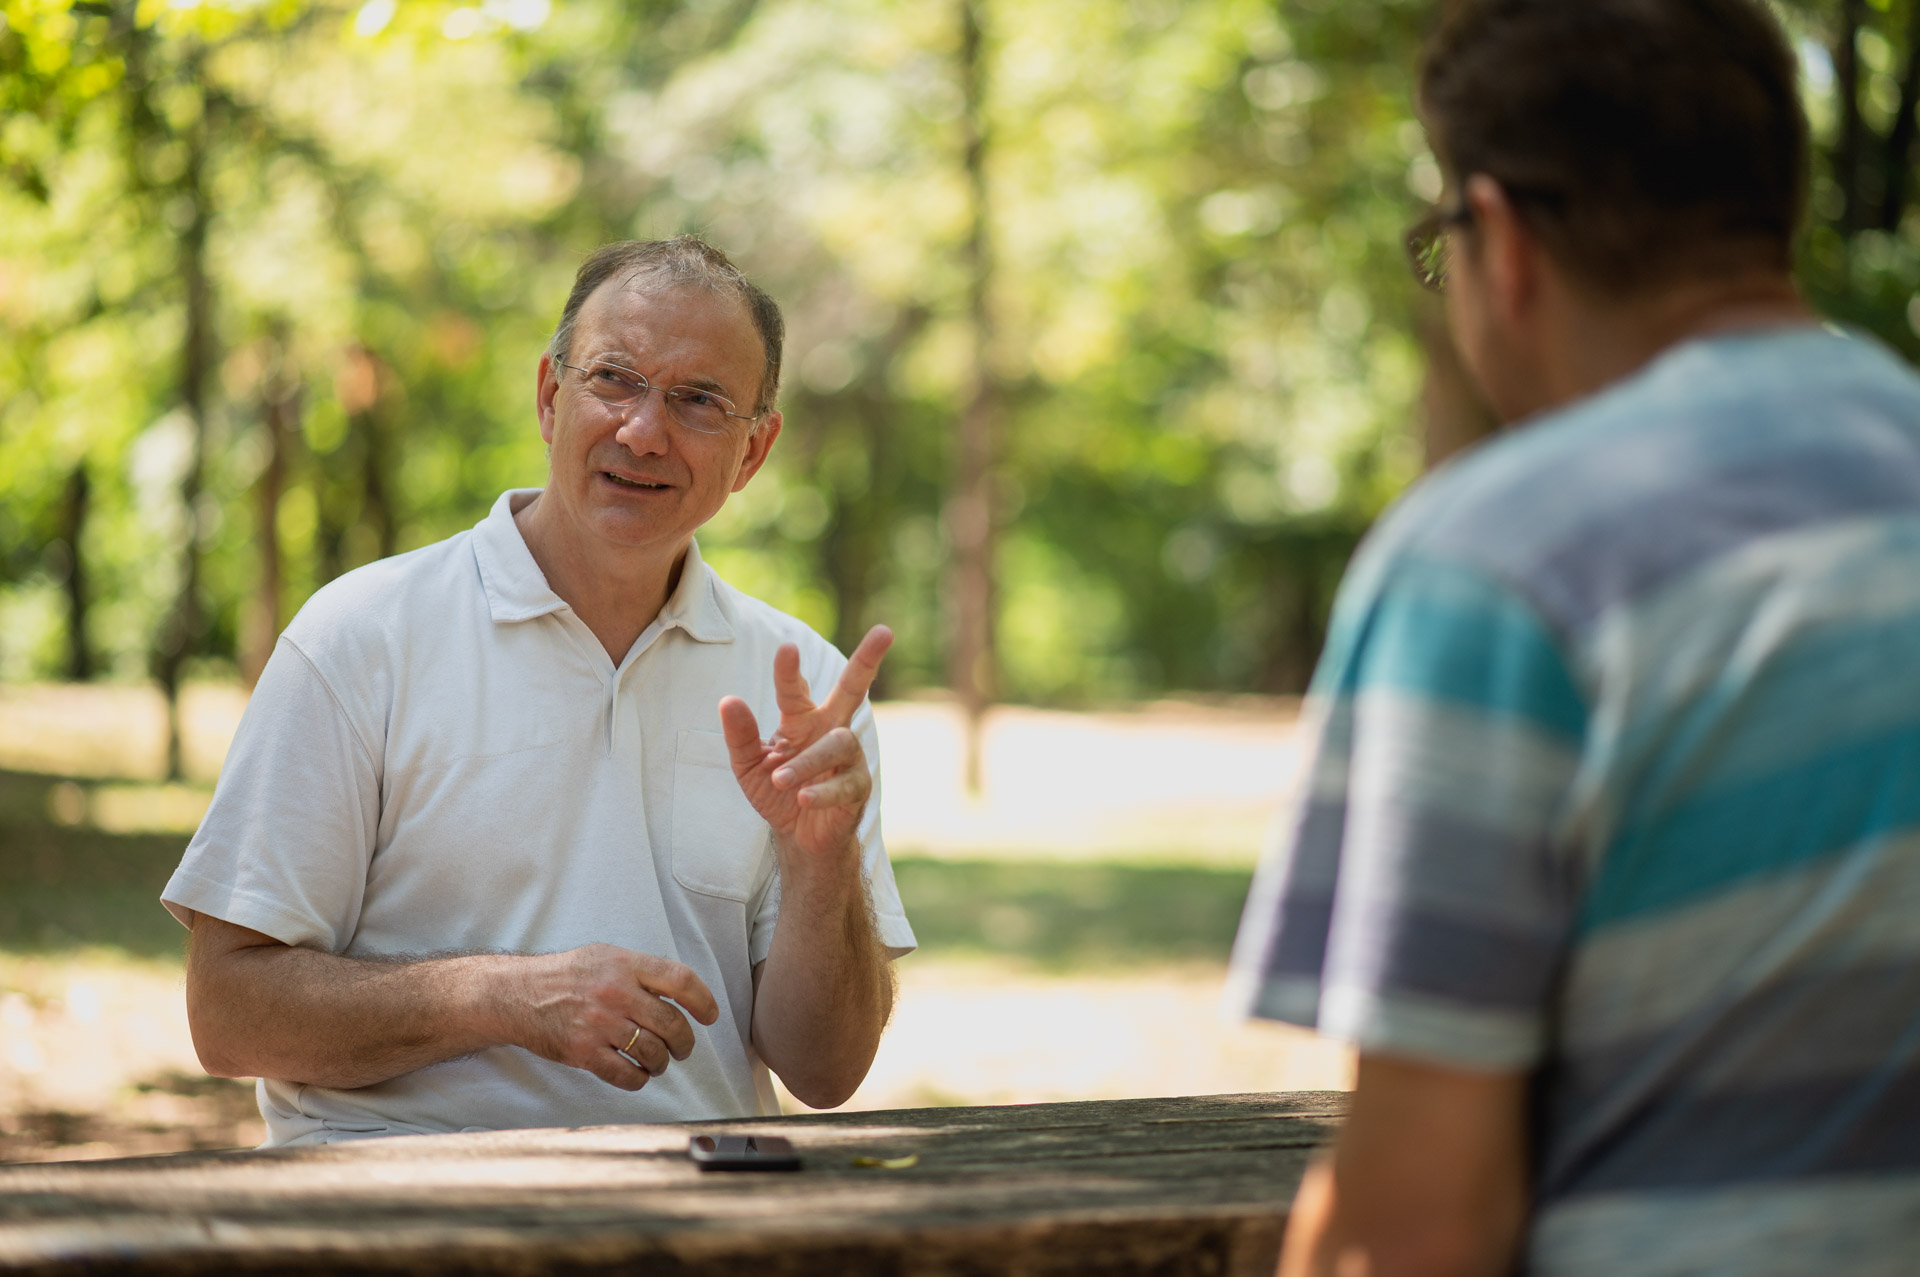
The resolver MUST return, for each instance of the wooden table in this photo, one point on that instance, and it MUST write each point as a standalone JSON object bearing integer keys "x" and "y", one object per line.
{"x": 1166, "y": 1186}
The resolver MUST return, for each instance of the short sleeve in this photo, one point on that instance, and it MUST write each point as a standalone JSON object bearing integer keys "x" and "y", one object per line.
{"x": 889, "y": 915}
{"x": 287, "y": 840}
{"x": 1422, "y": 898}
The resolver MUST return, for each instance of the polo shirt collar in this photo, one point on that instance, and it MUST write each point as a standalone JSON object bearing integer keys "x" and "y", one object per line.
{"x": 517, "y": 589}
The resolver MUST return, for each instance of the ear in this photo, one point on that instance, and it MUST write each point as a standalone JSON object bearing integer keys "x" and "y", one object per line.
{"x": 1510, "y": 257}
{"x": 546, "y": 386}
{"x": 759, "y": 444}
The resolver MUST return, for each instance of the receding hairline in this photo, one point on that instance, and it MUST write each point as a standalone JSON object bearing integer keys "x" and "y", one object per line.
{"x": 636, "y": 281}
{"x": 652, "y": 267}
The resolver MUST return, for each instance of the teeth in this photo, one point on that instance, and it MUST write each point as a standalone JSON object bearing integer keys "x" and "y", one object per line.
{"x": 631, "y": 483}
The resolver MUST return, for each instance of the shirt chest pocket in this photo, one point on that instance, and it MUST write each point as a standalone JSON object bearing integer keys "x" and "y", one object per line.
{"x": 721, "y": 847}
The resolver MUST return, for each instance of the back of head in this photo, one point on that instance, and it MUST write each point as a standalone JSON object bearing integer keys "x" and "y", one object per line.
{"x": 1644, "y": 141}
{"x": 685, "y": 261}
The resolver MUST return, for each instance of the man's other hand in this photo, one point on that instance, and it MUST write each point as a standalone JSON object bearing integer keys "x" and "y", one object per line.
{"x": 810, "y": 783}
{"x": 261, "y": 1008}
{"x": 595, "y": 1006}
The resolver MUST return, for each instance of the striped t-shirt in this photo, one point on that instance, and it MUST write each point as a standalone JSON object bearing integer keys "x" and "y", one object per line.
{"x": 1616, "y": 780}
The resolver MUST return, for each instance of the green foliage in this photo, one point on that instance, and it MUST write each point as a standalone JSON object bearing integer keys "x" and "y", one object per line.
{"x": 1206, "y": 343}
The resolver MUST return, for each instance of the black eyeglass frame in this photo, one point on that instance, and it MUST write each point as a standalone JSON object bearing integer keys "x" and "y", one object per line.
{"x": 671, "y": 394}
{"x": 1423, "y": 239}
{"x": 1425, "y": 244}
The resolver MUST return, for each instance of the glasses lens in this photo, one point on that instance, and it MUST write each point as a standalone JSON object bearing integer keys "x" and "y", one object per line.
{"x": 700, "y": 410}
{"x": 613, "y": 384}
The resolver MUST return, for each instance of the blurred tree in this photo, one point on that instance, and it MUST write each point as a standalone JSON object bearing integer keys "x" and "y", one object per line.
{"x": 275, "y": 276}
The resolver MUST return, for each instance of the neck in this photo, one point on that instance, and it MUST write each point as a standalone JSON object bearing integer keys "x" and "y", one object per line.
{"x": 616, "y": 590}
{"x": 1599, "y": 342}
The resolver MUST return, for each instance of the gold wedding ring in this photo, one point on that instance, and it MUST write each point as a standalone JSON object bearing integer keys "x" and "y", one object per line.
{"x": 630, "y": 1041}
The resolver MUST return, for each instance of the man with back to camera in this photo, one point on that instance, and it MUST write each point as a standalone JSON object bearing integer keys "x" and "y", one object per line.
{"x": 1609, "y": 853}
{"x": 478, "y": 857}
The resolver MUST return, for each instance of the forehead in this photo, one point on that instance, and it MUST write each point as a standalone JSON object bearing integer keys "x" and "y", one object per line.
{"x": 676, "y": 330}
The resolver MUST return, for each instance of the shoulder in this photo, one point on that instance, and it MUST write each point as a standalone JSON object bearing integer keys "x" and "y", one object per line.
{"x": 359, "y": 616}
{"x": 758, "y": 624}
{"x": 1716, "y": 443}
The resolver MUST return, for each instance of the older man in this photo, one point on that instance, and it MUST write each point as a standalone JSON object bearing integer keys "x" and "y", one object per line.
{"x": 484, "y": 855}
{"x": 1609, "y": 858}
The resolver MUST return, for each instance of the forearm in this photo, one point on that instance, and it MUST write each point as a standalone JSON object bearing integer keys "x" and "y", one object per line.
{"x": 824, "y": 993}
{"x": 1426, "y": 1179}
{"x": 325, "y": 1020}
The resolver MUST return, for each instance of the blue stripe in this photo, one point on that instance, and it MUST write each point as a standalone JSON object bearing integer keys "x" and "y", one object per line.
{"x": 1823, "y": 1126}
{"x": 1848, "y": 797}
{"x": 1450, "y": 634}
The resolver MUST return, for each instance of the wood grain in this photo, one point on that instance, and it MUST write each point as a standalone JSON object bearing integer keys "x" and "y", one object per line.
{"x": 1194, "y": 1185}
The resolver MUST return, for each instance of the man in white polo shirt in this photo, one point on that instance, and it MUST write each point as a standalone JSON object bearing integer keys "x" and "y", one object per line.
{"x": 499, "y": 842}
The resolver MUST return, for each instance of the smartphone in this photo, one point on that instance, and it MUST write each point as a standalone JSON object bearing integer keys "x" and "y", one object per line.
{"x": 742, "y": 1153}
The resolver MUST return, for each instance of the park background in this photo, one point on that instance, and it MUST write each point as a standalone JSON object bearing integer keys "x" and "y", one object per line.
{"x": 1102, "y": 357}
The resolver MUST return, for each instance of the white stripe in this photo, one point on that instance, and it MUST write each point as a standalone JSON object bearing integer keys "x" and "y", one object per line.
{"x": 1429, "y": 1029}
{"x": 1425, "y": 755}
{"x": 1630, "y": 980}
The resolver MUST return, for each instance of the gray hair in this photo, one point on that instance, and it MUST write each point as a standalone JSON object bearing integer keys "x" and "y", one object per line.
{"x": 685, "y": 261}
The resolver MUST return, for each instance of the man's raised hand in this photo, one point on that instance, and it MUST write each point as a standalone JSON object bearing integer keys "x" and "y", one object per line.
{"x": 810, "y": 782}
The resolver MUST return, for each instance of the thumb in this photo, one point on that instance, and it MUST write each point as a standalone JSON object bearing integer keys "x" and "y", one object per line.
{"x": 742, "y": 732}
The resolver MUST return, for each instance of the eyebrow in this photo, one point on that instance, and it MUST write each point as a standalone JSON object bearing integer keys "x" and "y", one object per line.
{"x": 696, "y": 383}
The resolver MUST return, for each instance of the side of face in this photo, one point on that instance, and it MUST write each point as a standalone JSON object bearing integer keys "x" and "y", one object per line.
{"x": 633, "y": 480}
{"x": 1495, "y": 295}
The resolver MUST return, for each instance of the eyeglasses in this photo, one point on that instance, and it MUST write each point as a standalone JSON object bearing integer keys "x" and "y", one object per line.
{"x": 1430, "y": 244}
{"x": 699, "y": 410}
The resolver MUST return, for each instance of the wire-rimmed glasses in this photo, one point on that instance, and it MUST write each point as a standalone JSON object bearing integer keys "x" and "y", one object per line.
{"x": 704, "y": 411}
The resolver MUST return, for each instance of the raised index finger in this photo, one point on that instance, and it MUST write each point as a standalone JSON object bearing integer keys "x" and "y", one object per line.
{"x": 858, "y": 677}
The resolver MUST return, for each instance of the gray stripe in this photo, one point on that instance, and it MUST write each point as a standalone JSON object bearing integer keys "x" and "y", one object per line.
{"x": 1820, "y": 1023}
{"x": 1297, "y": 946}
{"x": 1720, "y": 442}
{"x": 1683, "y": 1139}
{"x": 1449, "y": 864}
{"x": 1803, "y": 1077}
{"x": 1630, "y": 550}
{"x": 1860, "y": 1226}
{"x": 1385, "y": 947}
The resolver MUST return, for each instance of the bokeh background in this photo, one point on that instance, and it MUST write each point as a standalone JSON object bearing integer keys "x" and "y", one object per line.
{"x": 1103, "y": 356}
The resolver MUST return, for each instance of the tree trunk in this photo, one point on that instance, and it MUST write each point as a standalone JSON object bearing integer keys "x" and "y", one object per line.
{"x": 971, "y": 508}
{"x": 1899, "y": 152}
{"x": 73, "y": 525}
{"x": 183, "y": 625}
{"x": 1847, "y": 151}
{"x": 280, "y": 417}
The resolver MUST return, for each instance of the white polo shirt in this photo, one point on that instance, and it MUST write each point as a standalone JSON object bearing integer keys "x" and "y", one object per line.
{"x": 440, "y": 757}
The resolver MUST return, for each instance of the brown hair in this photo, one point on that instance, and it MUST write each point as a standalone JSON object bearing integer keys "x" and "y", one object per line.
{"x": 683, "y": 261}
{"x": 1642, "y": 140}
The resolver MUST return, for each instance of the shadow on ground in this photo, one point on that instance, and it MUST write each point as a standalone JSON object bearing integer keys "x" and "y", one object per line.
{"x": 68, "y": 886}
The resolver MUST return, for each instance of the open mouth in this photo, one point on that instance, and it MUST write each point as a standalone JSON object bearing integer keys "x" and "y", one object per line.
{"x": 641, "y": 484}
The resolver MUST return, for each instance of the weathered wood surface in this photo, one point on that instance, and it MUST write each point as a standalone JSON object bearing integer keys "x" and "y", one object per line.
{"x": 1166, "y": 1186}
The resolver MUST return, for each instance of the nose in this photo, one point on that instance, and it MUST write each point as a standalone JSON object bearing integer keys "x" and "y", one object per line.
{"x": 644, "y": 424}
